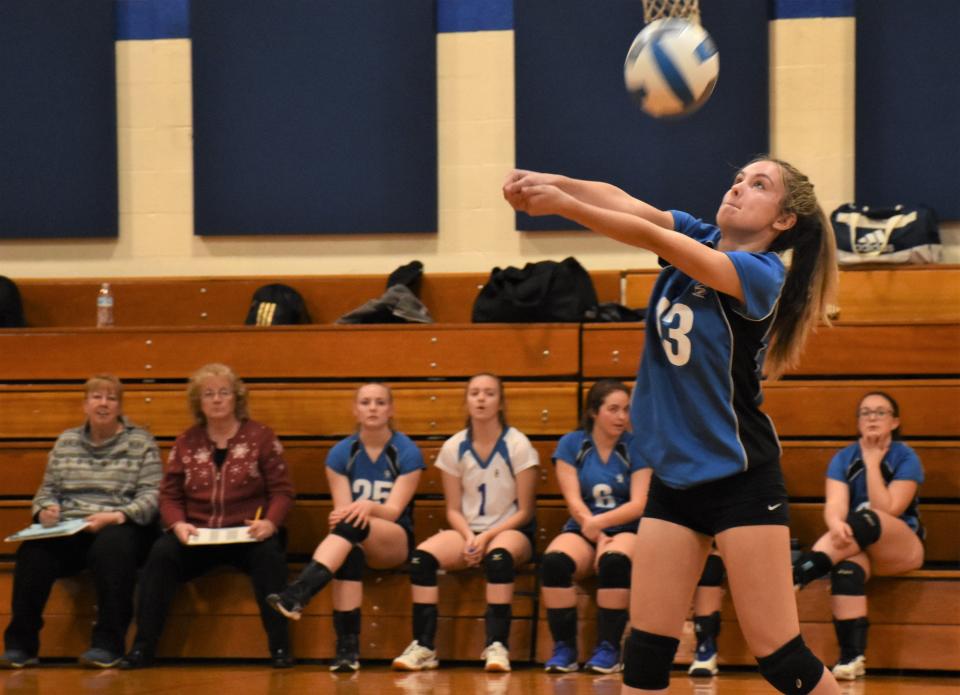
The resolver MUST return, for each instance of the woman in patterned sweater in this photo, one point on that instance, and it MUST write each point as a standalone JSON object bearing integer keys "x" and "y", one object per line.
{"x": 105, "y": 472}
{"x": 225, "y": 471}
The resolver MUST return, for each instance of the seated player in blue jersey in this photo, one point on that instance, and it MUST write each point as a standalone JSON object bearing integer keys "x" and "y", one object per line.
{"x": 873, "y": 524}
{"x": 489, "y": 486}
{"x": 724, "y": 308}
{"x": 373, "y": 475}
{"x": 605, "y": 488}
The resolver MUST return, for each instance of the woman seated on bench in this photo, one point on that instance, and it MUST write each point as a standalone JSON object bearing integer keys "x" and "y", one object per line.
{"x": 605, "y": 489}
{"x": 373, "y": 475}
{"x": 226, "y": 471}
{"x": 106, "y": 473}
{"x": 874, "y": 526}
{"x": 489, "y": 486}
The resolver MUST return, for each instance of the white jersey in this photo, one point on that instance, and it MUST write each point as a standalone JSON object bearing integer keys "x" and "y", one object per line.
{"x": 488, "y": 488}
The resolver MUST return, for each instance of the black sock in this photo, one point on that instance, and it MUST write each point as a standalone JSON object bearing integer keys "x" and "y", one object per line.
{"x": 852, "y": 637}
{"x": 425, "y": 624}
{"x": 498, "y": 618}
{"x": 347, "y": 626}
{"x": 706, "y": 627}
{"x": 810, "y": 566}
{"x": 611, "y": 623}
{"x": 563, "y": 625}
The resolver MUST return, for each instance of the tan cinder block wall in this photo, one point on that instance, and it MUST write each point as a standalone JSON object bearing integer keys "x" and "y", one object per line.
{"x": 811, "y": 125}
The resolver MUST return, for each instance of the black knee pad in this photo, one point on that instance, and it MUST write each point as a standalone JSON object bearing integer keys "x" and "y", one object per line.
{"x": 613, "y": 571}
{"x": 712, "y": 572}
{"x": 792, "y": 668}
{"x": 848, "y": 579}
{"x": 556, "y": 570}
{"x": 498, "y": 566}
{"x": 423, "y": 568}
{"x": 865, "y": 525}
{"x": 352, "y": 568}
{"x": 647, "y": 659}
{"x": 354, "y": 534}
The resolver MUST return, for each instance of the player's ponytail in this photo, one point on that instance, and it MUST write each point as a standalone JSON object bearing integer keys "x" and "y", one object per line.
{"x": 811, "y": 282}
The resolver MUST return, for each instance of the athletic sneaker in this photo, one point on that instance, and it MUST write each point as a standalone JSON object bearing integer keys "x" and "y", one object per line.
{"x": 416, "y": 658}
{"x": 285, "y": 604}
{"x": 17, "y": 658}
{"x": 347, "y": 660}
{"x": 851, "y": 670}
{"x": 497, "y": 658}
{"x": 605, "y": 659}
{"x": 563, "y": 659}
{"x": 95, "y": 657}
{"x": 704, "y": 660}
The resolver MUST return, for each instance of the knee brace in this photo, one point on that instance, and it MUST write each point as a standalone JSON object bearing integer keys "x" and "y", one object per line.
{"x": 354, "y": 534}
{"x": 792, "y": 668}
{"x": 352, "y": 568}
{"x": 613, "y": 571}
{"x": 423, "y": 568}
{"x": 865, "y": 525}
{"x": 556, "y": 570}
{"x": 848, "y": 579}
{"x": 647, "y": 659}
{"x": 498, "y": 566}
{"x": 706, "y": 626}
{"x": 712, "y": 572}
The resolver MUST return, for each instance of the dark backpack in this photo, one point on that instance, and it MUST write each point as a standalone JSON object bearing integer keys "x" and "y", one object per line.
{"x": 11, "y": 306}
{"x": 277, "y": 305}
{"x": 545, "y": 291}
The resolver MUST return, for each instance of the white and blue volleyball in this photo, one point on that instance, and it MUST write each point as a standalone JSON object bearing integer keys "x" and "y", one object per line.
{"x": 671, "y": 67}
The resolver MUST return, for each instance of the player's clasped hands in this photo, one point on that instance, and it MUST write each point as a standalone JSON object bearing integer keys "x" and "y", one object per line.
{"x": 534, "y": 193}
{"x": 474, "y": 549}
{"x": 356, "y": 514}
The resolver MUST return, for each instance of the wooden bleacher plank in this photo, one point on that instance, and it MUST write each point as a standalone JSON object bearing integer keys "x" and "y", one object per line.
{"x": 805, "y": 463}
{"x": 286, "y": 352}
{"x": 224, "y": 301}
{"x": 302, "y": 410}
{"x": 614, "y": 350}
{"x": 901, "y": 294}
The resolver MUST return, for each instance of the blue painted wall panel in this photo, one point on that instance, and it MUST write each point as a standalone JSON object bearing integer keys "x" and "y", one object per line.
{"x": 58, "y": 123}
{"x": 314, "y": 116}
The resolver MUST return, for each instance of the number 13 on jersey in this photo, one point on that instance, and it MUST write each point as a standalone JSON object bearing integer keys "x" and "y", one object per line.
{"x": 676, "y": 344}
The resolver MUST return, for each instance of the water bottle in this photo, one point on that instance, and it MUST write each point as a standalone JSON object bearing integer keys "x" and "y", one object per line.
{"x": 104, "y": 306}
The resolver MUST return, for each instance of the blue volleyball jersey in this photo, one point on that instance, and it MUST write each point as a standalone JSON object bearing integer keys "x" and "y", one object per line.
{"x": 900, "y": 463}
{"x": 604, "y": 485}
{"x": 373, "y": 480}
{"x": 696, "y": 406}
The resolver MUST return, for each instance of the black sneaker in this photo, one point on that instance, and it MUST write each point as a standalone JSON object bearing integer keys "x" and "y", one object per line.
{"x": 137, "y": 657}
{"x": 285, "y": 604}
{"x": 347, "y": 659}
{"x": 281, "y": 658}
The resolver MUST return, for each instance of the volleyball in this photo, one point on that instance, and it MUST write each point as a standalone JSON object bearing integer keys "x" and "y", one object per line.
{"x": 671, "y": 67}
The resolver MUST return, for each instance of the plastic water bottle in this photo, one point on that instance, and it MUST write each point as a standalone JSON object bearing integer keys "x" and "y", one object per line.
{"x": 104, "y": 306}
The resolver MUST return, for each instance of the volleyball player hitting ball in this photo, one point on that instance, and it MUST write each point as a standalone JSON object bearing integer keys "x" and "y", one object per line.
{"x": 722, "y": 297}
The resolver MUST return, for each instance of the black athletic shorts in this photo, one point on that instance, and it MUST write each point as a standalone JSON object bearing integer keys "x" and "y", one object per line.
{"x": 756, "y": 497}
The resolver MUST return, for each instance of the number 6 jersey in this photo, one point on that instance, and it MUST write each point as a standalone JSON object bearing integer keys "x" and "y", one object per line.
{"x": 696, "y": 406}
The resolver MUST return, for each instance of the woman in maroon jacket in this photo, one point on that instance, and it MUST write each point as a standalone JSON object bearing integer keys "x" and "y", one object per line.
{"x": 226, "y": 471}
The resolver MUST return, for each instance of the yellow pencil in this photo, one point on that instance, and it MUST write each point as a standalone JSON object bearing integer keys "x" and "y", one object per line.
{"x": 259, "y": 512}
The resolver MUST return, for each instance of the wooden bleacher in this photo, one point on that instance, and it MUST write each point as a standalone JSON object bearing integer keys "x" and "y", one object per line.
{"x": 897, "y": 330}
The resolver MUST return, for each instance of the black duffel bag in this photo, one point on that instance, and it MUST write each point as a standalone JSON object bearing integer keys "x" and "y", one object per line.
{"x": 547, "y": 291}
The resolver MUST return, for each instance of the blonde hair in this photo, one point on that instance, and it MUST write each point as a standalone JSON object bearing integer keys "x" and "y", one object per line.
{"x": 98, "y": 381}
{"x": 215, "y": 369}
{"x": 501, "y": 409}
{"x": 811, "y": 282}
{"x": 386, "y": 388}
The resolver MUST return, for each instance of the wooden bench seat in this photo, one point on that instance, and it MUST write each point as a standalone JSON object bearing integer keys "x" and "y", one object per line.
{"x": 215, "y": 616}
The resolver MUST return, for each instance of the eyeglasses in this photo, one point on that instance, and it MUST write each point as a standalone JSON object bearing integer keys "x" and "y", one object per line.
{"x": 223, "y": 393}
{"x": 879, "y": 412}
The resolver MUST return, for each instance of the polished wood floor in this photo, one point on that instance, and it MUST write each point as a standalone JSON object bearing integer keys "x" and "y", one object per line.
{"x": 220, "y": 679}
